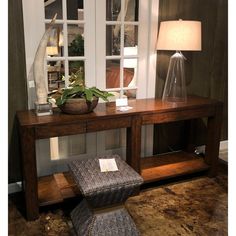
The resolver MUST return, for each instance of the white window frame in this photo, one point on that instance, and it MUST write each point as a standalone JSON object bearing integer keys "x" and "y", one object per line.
{"x": 146, "y": 69}
{"x": 95, "y": 54}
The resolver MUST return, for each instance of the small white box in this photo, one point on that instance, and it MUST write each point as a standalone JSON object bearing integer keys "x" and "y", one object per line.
{"x": 121, "y": 102}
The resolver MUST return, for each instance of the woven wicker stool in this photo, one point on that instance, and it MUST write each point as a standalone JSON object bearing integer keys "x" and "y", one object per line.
{"x": 102, "y": 211}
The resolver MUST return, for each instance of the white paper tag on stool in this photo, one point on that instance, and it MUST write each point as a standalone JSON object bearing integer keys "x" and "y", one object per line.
{"x": 108, "y": 165}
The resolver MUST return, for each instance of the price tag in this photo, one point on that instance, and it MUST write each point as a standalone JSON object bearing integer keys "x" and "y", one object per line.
{"x": 108, "y": 165}
{"x": 121, "y": 102}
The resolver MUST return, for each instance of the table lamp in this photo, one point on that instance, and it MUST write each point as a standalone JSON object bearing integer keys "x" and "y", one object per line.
{"x": 179, "y": 35}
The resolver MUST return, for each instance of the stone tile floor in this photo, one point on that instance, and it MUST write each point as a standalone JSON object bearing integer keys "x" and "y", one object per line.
{"x": 195, "y": 206}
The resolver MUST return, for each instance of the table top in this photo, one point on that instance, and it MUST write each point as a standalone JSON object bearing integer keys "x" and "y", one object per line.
{"x": 106, "y": 110}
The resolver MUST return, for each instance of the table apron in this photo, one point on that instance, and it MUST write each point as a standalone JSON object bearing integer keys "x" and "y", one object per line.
{"x": 159, "y": 118}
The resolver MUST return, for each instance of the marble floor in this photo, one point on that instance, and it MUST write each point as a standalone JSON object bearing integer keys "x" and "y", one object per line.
{"x": 195, "y": 206}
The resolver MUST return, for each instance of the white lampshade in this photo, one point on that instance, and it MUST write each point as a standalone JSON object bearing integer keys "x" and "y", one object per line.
{"x": 180, "y": 35}
{"x": 130, "y": 62}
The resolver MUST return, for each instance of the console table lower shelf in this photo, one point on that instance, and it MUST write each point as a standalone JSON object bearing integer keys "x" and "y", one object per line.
{"x": 61, "y": 186}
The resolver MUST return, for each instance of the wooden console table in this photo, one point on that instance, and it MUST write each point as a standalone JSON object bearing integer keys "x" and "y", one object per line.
{"x": 55, "y": 188}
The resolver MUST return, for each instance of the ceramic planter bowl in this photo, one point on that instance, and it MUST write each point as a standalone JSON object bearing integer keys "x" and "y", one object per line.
{"x": 78, "y": 105}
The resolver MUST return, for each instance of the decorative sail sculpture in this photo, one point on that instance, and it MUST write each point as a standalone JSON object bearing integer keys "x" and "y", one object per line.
{"x": 42, "y": 105}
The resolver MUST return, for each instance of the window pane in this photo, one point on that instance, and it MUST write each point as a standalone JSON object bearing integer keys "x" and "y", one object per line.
{"x": 76, "y": 67}
{"x": 53, "y": 7}
{"x": 112, "y": 73}
{"x": 55, "y": 41}
{"x": 112, "y": 9}
{"x": 131, "y": 93}
{"x": 75, "y": 10}
{"x": 130, "y": 67}
{"x": 112, "y": 40}
{"x": 55, "y": 71}
{"x": 132, "y": 10}
{"x": 131, "y": 35}
{"x": 128, "y": 77}
{"x": 76, "y": 40}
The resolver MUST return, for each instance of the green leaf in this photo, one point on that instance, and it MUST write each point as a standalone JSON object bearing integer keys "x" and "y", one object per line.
{"x": 102, "y": 94}
{"x": 88, "y": 94}
{"x": 76, "y": 89}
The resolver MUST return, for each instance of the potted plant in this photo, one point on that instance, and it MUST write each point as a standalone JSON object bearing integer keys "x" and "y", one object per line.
{"x": 78, "y": 98}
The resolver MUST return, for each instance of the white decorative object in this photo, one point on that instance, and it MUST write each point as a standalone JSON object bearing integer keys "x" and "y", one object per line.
{"x": 38, "y": 66}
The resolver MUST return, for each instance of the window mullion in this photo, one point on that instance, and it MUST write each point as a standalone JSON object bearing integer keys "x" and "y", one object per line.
{"x": 65, "y": 38}
{"x": 122, "y": 48}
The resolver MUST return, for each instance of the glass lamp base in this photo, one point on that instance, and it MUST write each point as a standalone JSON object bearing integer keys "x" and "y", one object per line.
{"x": 175, "y": 86}
{"x": 43, "y": 109}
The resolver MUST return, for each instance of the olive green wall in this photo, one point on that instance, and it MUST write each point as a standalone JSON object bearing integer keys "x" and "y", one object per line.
{"x": 17, "y": 92}
{"x": 206, "y": 71}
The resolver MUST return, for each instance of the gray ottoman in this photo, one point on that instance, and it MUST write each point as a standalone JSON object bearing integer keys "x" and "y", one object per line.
{"x": 102, "y": 211}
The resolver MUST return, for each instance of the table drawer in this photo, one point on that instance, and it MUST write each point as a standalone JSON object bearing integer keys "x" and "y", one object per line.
{"x": 97, "y": 125}
{"x": 59, "y": 130}
{"x": 172, "y": 116}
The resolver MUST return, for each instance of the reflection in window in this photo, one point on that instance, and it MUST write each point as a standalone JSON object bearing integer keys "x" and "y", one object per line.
{"x": 112, "y": 73}
{"x": 52, "y": 7}
{"x": 75, "y": 40}
{"x": 76, "y": 67}
{"x": 113, "y": 9}
{"x": 75, "y": 9}
{"x": 56, "y": 72}
{"x": 130, "y": 36}
{"x": 132, "y": 10}
{"x": 112, "y": 41}
{"x": 55, "y": 42}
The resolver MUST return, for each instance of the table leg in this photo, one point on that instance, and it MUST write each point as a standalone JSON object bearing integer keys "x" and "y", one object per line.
{"x": 133, "y": 148}
{"x": 30, "y": 182}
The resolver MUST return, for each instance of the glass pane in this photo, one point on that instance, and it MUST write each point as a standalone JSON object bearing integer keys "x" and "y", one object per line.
{"x": 129, "y": 77}
{"x": 55, "y": 43}
{"x": 131, "y": 13}
{"x": 76, "y": 40}
{"x": 53, "y": 7}
{"x": 112, "y": 73}
{"x": 131, "y": 93}
{"x": 112, "y": 9}
{"x": 76, "y": 67}
{"x": 55, "y": 71}
{"x": 130, "y": 68}
{"x": 131, "y": 35}
{"x": 75, "y": 10}
{"x": 112, "y": 40}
